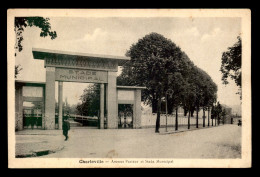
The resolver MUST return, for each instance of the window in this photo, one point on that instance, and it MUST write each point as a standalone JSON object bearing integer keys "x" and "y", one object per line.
{"x": 29, "y": 91}
{"x": 126, "y": 95}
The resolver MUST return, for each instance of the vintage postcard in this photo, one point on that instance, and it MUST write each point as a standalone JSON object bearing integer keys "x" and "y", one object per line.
{"x": 143, "y": 88}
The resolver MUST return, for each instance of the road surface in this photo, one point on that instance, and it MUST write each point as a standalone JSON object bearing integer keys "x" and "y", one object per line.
{"x": 215, "y": 142}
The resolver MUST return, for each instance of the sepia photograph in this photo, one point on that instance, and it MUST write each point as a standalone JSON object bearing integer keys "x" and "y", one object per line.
{"x": 114, "y": 88}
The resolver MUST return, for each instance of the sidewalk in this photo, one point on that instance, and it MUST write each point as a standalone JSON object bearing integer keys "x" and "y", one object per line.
{"x": 184, "y": 128}
{"x": 32, "y": 143}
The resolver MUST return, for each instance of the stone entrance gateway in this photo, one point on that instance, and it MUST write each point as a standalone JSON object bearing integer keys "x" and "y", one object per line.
{"x": 81, "y": 67}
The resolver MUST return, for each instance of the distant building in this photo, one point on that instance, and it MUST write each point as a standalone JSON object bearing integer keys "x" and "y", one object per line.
{"x": 236, "y": 110}
{"x": 228, "y": 116}
{"x": 30, "y": 105}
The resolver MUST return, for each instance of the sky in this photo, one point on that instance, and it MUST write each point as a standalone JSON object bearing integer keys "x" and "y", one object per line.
{"x": 202, "y": 39}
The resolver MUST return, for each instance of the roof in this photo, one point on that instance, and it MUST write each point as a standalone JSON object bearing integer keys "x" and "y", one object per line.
{"x": 39, "y": 53}
{"x": 130, "y": 87}
{"x": 29, "y": 82}
{"x": 119, "y": 86}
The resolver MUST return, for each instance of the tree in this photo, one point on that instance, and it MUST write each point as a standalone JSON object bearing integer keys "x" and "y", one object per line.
{"x": 73, "y": 109}
{"x": 217, "y": 112}
{"x": 208, "y": 92}
{"x": 204, "y": 91}
{"x": 152, "y": 57}
{"x": 198, "y": 84}
{"x": 17, "y": 70}
{"x": 160, "y": 65}
{"x": 176, "y": 98}
{"x": 193, "y": 93}
{"x": 231, "y": 64}
{"x": 212, "y": 114}
{"x": 22, "y": 22}
{"x": 90, "y": 101}
{"x": 223, "y": 115}
{"x": 188, "y": 98}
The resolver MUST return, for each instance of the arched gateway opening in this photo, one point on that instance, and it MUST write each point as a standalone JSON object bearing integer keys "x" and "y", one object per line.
{"x": 39, "y": 98}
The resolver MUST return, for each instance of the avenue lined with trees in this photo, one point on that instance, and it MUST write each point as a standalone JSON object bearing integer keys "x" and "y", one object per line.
{"x": 160, "y": 65}
{"x": 171, "y": 79}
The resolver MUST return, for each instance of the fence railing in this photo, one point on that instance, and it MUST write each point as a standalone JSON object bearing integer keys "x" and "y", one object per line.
{"x": 81, "y": 117}
{"x": 85, "y": 120}
{"x": 149, "y": 120}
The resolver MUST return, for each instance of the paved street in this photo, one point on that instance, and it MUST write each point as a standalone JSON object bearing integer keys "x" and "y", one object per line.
{"x": 215, "y": 142}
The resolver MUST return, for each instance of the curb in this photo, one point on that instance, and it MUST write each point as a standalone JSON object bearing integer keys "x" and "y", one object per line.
{"x": 173, "y": 132}
{"x": 39, "y": 153}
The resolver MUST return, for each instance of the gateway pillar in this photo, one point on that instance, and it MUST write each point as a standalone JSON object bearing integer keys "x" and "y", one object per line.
{"x": 60, "y": 104}
{"x": 49, "y": 118}
{"x": 102, "y": 94}
{"x": 111, "y": 101}
{"x": 137, "y": 109}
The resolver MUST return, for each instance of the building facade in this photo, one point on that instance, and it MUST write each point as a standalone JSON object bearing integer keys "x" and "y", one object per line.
{"x": 35, "y": 102}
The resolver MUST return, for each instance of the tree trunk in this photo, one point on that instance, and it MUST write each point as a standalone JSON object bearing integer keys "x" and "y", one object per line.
{"x": 154, "y": 105}
{"x": 189, "y": 120}
{"x": 170, "y": 106}
{"x": 208, "y": 116}
{"x": 218, "y": 119}
{"x": 215, "y": 121}
{"x": 197, "y": 118}
{"x": 192, "y": 111}
{"x": 176, "y": 119}
{"x": 203, "y": 117}
{"x": 157, "y": 127}
{"x": 185, "y": 111}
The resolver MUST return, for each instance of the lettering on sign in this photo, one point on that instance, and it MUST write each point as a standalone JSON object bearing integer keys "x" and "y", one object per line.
{"x": 77, "y": 75}
{"x": 82, "y": 63}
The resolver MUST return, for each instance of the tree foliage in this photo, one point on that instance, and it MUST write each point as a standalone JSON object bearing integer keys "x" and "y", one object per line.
{"x": 66, "y": 107}
{"x": 223, "y": 115}
{"x": 158, "y": 64}
{"x": 216, "y": 111}
{"x": 17, "y": 70}
{"x": 152, "y": 58}
{"x": 21, "y": 23}
{"x": 231, "y": 63}
{"x": 90, "y": 100}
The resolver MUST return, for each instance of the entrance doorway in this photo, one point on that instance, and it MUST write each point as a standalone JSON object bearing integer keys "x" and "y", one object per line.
{"x": 32, "y": 106}
{"x": 81, "y": 104}
{"x": 32, "y": 114}
{"x": 125, "y": 116}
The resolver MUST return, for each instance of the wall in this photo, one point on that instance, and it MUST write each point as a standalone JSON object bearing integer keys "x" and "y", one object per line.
{"x": 149, "y": 120}
{"x": 131, "y": 96}
{"x": 18, "y": 108}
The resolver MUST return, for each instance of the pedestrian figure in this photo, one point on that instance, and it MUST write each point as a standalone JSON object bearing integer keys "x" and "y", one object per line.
{"x": 66, "y": 128}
